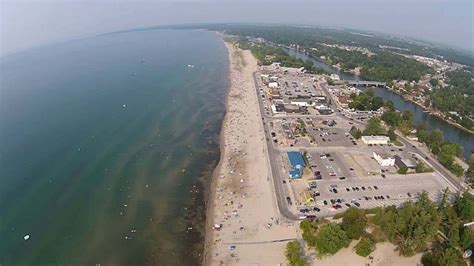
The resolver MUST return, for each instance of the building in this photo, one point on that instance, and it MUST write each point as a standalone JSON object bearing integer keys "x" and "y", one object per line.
{"x": 375, "y": 140}
{"x": 404, "y": 162}
{"x": 296, "y": 164}
{"x": 319, "y": 98}
{"x": 273, "y": 85}
{"x": 323, "y": 109}
{"x": 275, "y": 94}
{"x": 384, "y": 159}
{"x": 294, "y": 174}
{"x": 291, "y": 108}
{"x": 302, "y": 102}
{"x": 296, "y": 160}
{"x": 343, "y": 101}
{"x": 290, "y": 138}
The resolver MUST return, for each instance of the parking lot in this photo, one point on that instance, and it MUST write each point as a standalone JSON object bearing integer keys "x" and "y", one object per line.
{"x": 329, "y": 166}
{"x": 326, "y": 137}
{"x": 338, "y": 195}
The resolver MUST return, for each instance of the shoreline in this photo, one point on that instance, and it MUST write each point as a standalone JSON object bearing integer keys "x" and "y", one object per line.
{"x": 211, "y": 193}
{"x": 241, "y": 196}
{"x": 429, "y": 112}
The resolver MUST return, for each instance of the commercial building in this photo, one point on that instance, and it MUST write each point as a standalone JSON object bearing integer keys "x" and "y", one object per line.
{"x": 404, "y": 162}
{"x": 375, "y": 140}
{"x": 384, "y": 160}
{"x": 272, "y": 85}
{"x": 294, "y": 174}
{"x": 296, "y": 163}
{"x": 302, "y": 102}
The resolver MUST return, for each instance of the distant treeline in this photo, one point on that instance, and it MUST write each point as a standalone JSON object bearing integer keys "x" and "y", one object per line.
{"x": 267, "y": 55}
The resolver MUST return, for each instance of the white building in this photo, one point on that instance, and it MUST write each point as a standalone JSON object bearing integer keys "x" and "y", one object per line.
{"x": 273, "y": 85}
{"x": 375, "y": 140}
{"x": 334, "y": 77}
{"x": 302, "y": 102}
{"x": 384, "y": 160}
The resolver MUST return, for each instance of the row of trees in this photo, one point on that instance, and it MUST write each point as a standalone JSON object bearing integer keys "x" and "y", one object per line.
{"x": 444, "y": 150}
{"x": 421, "y": 226}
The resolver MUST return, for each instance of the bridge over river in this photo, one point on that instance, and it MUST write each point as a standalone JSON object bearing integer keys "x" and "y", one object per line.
{"x": 366, "y": 83}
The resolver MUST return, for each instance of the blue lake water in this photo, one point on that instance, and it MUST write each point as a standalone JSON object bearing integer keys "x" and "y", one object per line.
{"x": 103, "y": 143}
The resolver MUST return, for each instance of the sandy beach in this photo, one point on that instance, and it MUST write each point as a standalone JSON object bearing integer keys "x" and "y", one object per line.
{"x": 242, "y": 199}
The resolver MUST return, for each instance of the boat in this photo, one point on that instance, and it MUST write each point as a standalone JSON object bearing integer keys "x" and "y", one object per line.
{"x": 190, "y": 66}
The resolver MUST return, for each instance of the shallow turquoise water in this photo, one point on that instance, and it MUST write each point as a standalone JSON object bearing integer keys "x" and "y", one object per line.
{"x": 101, "y": 142}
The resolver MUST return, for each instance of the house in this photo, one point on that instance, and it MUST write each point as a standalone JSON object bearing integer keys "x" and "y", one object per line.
{"x": 343, "y": 100}
{"x": 384, "y": 160}
{"x": 375, "y": 140}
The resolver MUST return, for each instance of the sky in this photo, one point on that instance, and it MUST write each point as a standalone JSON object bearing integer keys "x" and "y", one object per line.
{"x": 29, "y": 23}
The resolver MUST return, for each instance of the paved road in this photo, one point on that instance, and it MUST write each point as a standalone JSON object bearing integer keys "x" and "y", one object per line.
{"x": 275, "y": 172}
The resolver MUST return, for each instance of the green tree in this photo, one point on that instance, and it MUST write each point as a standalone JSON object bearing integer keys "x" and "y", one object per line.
{"x": 330, "y": 239}
{"x": 411, "y": 226}
{"x": 451, "y": 257}
{"x": 421, "y": 167}
{"x": 308, "y": 232}
{"x": 392, "y": 118}
{"x": 354, "y": 222}
{"x": 293, "y": 254}
{"x": 403, "y": 170}
{"x": 442, "y": 256}
{"x": 391, "y": 134}
{"x": 373, "y": 127}
{"x": 390, "y": 106}
{"x": 355, "y": 132}
{"x": 464, "y": 205}
{"x": 470, "y": 171}
{"x": 407, "y": 118}
{"x": 467, "y": 238}
{"x": 365, "y": 246}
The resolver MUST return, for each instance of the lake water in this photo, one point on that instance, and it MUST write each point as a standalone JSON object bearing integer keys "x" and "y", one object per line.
{"x": 103, "y": 144}
{"x": 451, "y": 133}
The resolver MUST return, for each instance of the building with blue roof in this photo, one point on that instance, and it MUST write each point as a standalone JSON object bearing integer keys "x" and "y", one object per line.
{"x": 296, "y": 163}
{"x": 294, "y": 174}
